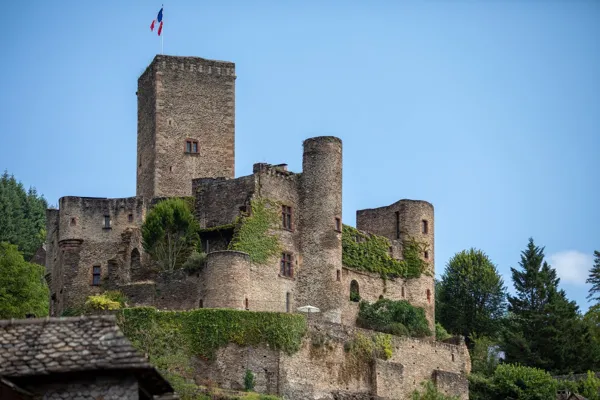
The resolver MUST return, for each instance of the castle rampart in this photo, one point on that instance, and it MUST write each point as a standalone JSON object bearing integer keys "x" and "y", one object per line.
{"x": 225, "y": 282}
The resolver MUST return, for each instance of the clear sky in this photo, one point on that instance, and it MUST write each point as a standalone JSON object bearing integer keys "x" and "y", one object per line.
{"x": 490, "y": 110}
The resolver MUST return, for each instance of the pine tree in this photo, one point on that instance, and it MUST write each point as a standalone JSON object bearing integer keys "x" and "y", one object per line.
{"x": 594, "y": 279}
{"x": 22, "y": 216}
{"x": 545, "y": 330}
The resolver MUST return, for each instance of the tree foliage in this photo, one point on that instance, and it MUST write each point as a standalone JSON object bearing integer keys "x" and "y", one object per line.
{"x": 23, "y": 289}
{"x": 594, "y": 279}
{"x": 545, "y": 330}
{"x": 471, "y": 297}
{"x": 22, "y": 216}
{"x": 170, "y": 233}
{"x": 396, "y": 317}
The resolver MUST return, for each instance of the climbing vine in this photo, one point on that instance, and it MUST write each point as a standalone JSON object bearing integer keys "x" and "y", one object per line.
{"x": 202, "y": 332}
{"x": 252, "y": 232}
{"x": 370, "y": 253}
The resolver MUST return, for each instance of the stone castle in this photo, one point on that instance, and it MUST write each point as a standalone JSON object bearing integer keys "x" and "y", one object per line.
{"x": 186, "y": 148}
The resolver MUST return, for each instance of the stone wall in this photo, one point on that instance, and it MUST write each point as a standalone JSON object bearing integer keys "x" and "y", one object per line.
{"x": 372, "y": 287}
{"x": 85, "y": 240}
{"x": 321, "y": 237}
{"x": 106, "y": 388}
{"x": 180, "y": 99}
{"x": 324, "y": 369}
{"x": 402, "y": 221}
{"x": 218, "y": 201}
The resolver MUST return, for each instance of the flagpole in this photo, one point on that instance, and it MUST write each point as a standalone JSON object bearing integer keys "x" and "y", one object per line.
{"x": 162, "y": 36}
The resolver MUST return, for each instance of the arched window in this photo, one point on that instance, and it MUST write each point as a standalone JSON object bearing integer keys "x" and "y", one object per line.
{"x": 428, "y": 296}
{"x": 135, "y": 265}
{"x": 354, "y": 292}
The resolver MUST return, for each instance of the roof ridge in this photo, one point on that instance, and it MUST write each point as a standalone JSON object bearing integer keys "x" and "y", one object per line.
{"x": 52, "y": 320}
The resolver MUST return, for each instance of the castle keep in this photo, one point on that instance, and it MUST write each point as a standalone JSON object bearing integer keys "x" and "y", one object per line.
{"x": 185, "y": 148}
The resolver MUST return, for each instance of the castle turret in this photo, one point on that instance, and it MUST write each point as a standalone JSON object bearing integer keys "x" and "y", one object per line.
{"x": 321, "y": 226}
{"x": 186, "y": 124}
{"x": 402, "y": 221}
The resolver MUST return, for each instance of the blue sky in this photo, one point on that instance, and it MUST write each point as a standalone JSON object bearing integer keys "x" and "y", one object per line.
{"x": 489, "y": 110}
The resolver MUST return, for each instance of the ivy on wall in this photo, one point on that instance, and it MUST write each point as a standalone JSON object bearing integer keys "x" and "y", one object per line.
{"x": 252, "y": 231}
{"x": 370, "y": 253}
{"x": 202, "y": 332}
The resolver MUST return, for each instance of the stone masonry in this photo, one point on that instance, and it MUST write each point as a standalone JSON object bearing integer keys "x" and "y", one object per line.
{"x": 186, "y": 140}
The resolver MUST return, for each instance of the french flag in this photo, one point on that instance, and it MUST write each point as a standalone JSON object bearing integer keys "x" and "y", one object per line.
{"x": 159, "y": 20}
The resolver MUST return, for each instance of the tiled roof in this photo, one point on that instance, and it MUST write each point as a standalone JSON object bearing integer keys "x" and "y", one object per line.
{"x": 55, "y": 345}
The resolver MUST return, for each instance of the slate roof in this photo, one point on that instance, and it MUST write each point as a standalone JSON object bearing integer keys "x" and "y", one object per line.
{"x": 44, "y": 346}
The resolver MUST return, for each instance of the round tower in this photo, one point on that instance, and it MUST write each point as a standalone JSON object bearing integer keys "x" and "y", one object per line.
{"x": 226, "y": 282}
{"x": 416, "y": 221}
{"x": 321, "y": 226}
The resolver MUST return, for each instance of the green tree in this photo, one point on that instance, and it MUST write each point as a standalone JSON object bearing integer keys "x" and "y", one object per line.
{"x": 170, "y": 233}
{"x": 545, "y": 330}
{"x": 23, "y": 289}
{"x": 22, "y": 216}
{"x": 471, "y": 295}
{"x": 594, "y": 279}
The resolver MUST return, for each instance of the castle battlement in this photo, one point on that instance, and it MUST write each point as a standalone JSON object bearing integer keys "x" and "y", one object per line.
{"x": 192, "y": 64}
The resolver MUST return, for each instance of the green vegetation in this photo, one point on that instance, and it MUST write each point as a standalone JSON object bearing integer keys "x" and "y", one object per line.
{"x": 201, "y": 332}
{"x": 513, "y": 382}
{"x": 195, "y": 261}
{"x": 367, "y": 348}
{"x": 22, "y": 216}
{"x": 441, "y": 333}
{"x": 249, "y": 380}
{"x": 23, "y": 289}
{"x": 395, "y": 317}
{"x": 471, "y": 296}
{"x": 101, "y": 303}
{"x": 170, "y": 233}
{"x": 594, "y": 279}
{"x": 252, "y": 232}
{"x": 430, "y": 392}
{"x": 171, "y": 339}
{"x": 371, "y": 253}
{"x": 544, "y": 329}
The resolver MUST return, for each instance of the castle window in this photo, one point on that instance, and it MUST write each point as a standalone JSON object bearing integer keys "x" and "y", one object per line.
{"x": 96, "y": 275}
{"x": 286, "y": 265}
{"x": 191, "y": 146}
{"x": 397, "y": 224}
{"x": 73, "y": 222}
{"x": 201, "y": 304}
{"x": 247, "y": 304}
{"x": 354, "y": 292}
{"x": 286, "y": 215}
{"x": 452, "y": 356}
{"x": 428, "y": 296}
{"x": 426, "y": 254}
{"x": 130, "y": 218}
{"x": 287, "y": 302}
{"x": 338, "y": 224}
{"x": 338, "y": 278}
{"x": 424, "y": 227}
{"x": 107, "y": 222}
{"x": 402, "y": 291}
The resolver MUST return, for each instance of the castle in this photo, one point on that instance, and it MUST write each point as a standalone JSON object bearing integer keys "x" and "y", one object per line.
{"x": 186, "y": 148}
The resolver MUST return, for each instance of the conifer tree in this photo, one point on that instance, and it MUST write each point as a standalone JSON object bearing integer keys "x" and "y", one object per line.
{"x": 22, "y": 216}
{"x": 545, "y": 330}
{"x": 594, "y": 279}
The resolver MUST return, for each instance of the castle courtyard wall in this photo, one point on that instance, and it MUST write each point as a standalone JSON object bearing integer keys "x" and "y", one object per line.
{"x": 324, "y": 369}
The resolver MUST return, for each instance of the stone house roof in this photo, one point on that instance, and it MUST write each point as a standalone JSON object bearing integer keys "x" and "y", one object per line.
{"x": 32, "y": 348}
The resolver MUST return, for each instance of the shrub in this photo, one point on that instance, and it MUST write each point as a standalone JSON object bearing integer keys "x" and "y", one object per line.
{"x": 441, "y": 333}
{"x": 249, "y": 380}
{"x": 195, "y": 261}
{"x": 395, "y": 317}
{"x": 101, "y": 302}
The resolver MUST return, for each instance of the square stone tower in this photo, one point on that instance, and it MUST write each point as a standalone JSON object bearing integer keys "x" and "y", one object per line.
{"x": 186, "y": 124}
